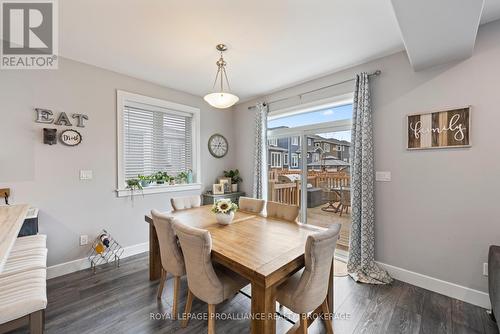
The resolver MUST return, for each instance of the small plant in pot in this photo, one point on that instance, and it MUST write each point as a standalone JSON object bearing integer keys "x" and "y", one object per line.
{"x": 145, "y": 181}
{"x": 133, "y": 185}
{"x": 161, "y": 177}
{"x": 235, "y": 178}
{"x": 182, "y": 177}
{"x": 224, "y": 211}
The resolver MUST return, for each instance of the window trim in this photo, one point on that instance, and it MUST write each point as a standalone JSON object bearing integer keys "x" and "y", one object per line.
{"x": 124, "y": 98}
{"x": 276, "y": 154}
{"x": 285, "y": 159}
{"x": 292, "y": 164}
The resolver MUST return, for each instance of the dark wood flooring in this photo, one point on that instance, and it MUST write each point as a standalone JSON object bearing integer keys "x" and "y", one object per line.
{"x": 123, "y": 300}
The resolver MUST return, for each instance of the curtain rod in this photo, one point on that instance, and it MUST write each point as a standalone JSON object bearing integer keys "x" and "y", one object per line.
{"x": 374, "y": 74}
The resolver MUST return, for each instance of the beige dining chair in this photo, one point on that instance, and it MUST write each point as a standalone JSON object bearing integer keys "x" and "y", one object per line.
{"x": 209, "y": 283}
{"x": 172, "y": 260}
{"x": 253, "y": 205}
{"x": 182, "y": 203}
{"x": 282, "y": 211}
{"x": 307, "y": 289}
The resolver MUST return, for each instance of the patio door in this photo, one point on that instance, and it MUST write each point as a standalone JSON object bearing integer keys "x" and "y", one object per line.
{"x": 316, "y": 153}
{"x": 326, "y": 195}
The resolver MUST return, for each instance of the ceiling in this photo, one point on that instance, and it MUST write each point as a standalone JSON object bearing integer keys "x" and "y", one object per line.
{"x": 272, "y": 44}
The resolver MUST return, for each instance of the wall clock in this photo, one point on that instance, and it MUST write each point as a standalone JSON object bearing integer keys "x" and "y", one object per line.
{"x": 217, "y": 145}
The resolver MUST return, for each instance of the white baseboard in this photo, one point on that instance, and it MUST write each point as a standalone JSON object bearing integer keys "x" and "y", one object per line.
{"x": 80, "y": 264}
{"x": 449, "y": 289}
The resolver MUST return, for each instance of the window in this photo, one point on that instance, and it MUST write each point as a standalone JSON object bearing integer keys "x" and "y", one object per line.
{"x": 339, "y": 148}
{"x": 295, "y": 160}
{"x": 153, "y": 136}
{"x": 272, "y": 142}
{"x": 285, "y": 159}
{"x": 315, "y": 157}
{"x": 276, "y": 160}
{"x": 295, "y": 141}
{"x": 327, "y": 147}
{"x": 309, "y": 142}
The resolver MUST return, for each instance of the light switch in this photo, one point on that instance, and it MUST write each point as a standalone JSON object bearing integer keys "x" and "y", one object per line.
{"x": 86, "y": 175}
{"x": 383, "y": 176}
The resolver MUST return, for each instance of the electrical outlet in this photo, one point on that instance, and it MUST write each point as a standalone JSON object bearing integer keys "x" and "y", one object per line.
{"x": 485, "y": 269}
{"x": 86, "y": 175}
{"x": 84, "y": 239}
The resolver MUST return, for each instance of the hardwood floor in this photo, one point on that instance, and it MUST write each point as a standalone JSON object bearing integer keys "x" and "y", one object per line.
{"x": 123, "y": 300}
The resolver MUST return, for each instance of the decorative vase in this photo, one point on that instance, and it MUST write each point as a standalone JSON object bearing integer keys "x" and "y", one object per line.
{"x": 145, "y": 183}
{"x": 234, "y": 187}
{"x": 224, "y": 218}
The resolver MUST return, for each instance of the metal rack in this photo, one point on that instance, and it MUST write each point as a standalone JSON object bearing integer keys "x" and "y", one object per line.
{"x": 109, "y": 255}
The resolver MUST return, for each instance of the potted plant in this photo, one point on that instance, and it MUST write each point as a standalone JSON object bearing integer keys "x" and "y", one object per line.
{"x": 145, "y": 181}
{"x": 224, "y": 211}
{"x": 182, "y": 177}
{"x": 133, "y": 185}
{"x": 235, "y": 178}
{"x": 161, "y": 177}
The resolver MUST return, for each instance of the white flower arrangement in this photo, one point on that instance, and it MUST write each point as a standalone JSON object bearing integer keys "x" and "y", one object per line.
{"x": 224, "y": 206}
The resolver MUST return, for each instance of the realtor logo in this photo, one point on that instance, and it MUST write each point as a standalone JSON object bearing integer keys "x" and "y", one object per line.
{"x": 29, "y": 34}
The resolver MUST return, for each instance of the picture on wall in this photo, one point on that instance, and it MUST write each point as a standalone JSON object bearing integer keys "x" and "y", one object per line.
{"x": 442, "y": 129}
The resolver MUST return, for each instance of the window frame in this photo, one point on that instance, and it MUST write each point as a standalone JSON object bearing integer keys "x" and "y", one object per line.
{"x": 276, "y": 154}
{"x": 272, "y": 142}
{"x": 296, "y": 164}
{"x": 285, "y": 159}
{"x": 295, "y": 141}
{"x": 124, "y": 98}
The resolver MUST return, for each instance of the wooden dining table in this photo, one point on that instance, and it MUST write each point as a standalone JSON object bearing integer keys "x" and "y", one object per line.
{"x": 266, "y": 251}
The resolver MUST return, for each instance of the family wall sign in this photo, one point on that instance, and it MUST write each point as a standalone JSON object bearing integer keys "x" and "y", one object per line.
{"x": 442, "y": 129}
{"x": 69, "y": 137}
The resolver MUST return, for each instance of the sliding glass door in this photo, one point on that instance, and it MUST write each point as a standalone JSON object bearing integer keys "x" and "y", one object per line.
{"x": 309, "y": 166}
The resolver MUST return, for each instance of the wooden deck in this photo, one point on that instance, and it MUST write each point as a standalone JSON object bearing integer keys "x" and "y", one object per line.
{"x": 318, "y": 217}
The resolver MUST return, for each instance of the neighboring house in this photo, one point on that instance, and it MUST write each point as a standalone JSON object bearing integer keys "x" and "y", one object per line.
{"x": 284, "y": 153}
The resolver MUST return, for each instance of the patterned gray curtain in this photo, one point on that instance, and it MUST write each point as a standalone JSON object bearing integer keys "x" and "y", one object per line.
{"x": 260, "y": 156}
{"x": 361, "y": 264}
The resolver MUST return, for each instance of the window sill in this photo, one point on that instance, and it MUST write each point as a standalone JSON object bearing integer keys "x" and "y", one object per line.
{"x": 156, "y": 189}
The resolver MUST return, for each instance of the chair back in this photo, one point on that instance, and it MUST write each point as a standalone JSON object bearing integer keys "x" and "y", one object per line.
{"x": 282, "y": 211}
{"x": 313, "y": 286}
{"x": 171, "y": 256}
{"x": 197, "y": 247}
{"x": 251, "y": 205}
{"x": 182, "y": 203}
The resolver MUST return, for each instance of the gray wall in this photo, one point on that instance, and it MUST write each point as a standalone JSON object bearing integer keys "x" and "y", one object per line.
{"x": 48, "y": 176}
{"x": 440, "y": 212}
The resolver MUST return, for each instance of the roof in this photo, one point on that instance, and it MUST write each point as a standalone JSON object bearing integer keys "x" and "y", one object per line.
{"x": 329, "y": 163}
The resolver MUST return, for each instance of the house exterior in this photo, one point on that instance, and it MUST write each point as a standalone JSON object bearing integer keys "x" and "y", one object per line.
{"x": 322, "y": 153}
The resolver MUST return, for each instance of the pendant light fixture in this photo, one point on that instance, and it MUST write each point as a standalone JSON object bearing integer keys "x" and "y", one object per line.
{"x": 221, "y": 99}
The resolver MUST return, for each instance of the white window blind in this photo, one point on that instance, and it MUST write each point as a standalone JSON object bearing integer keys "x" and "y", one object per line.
{"x": 156, "y": 141}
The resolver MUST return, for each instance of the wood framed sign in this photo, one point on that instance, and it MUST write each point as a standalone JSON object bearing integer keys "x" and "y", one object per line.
{"x": 441, "y": 129}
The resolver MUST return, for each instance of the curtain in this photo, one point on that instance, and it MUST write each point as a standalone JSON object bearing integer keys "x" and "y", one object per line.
{"x": 361, "y": 264}
{"x": 260, "y": 155}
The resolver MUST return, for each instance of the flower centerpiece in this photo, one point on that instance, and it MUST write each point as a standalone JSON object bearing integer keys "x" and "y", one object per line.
{"x": 224, "y": 211}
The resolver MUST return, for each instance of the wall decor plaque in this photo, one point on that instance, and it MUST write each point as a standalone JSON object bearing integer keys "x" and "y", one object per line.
{"x": 443, "y": 129}
{"x": 71, "y": 137}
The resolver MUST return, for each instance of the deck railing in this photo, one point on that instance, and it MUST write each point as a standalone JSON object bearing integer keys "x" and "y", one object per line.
{"x": 289, "y": 192}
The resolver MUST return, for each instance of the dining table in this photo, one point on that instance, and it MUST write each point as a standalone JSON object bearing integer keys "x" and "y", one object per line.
{"x": 266, "y": 251}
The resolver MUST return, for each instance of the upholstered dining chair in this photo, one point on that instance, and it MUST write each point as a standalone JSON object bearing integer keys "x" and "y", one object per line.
{"x": 282, "y": 211}
{"x": 209, "y": 283}
{"x": 182, "y": 203}
{"x": 306, "y": 290}
{"x": 253, "y": 205}
{"x": 172, "y": 260}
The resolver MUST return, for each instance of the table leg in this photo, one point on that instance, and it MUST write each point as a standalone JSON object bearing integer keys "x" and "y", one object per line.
{"x": 154, "y": 255}
{"x": 263, "y": 310}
